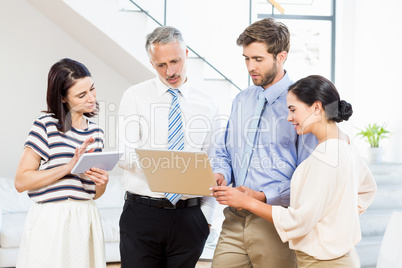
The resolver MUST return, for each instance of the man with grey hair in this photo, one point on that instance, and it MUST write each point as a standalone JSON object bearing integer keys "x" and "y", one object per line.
{"x": 161, "y": 229}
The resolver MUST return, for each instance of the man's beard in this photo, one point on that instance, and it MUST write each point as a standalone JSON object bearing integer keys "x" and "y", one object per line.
{"x": 268, "y": 76}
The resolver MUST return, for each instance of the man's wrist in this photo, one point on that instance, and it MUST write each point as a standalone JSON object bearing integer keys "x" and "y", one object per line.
{"x": 262, "y": 197}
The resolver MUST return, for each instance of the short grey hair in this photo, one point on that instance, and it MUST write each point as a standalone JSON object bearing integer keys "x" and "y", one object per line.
{"x": 164, "y": 35}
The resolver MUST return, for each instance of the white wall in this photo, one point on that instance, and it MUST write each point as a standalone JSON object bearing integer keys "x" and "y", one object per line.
{"x": 30, "y": 44}
{"x": 368, "y": 56}
{"x": 369, "y": 66}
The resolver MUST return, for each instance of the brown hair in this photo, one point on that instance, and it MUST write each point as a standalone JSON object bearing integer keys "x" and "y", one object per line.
{"x": 268, "y": 31}
{"x": 62, "y": 76}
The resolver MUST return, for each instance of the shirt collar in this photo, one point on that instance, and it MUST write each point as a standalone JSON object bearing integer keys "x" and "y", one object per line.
{"x": 278, "y": 89}
{"x": 162, "y": 88}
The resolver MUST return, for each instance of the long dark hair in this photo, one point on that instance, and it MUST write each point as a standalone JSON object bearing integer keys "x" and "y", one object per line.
{"x": 317, "y": 88}
{"x": 62, "y": 76}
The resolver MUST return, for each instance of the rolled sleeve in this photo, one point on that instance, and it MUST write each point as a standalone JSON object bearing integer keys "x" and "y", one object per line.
{"x": 221, "y": 163}
{"x": 279, "y": 195}
{"x": 276, "y": 217}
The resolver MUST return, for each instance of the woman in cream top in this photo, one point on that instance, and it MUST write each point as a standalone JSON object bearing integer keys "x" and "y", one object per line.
{"x": 328, "y": 190}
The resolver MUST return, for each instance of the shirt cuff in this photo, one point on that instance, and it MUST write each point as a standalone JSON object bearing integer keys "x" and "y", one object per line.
{"x": 276, "y": 198}
{"x": 272, "y": 197}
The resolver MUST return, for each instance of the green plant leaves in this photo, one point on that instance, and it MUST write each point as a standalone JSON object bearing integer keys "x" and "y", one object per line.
{"x": 373, "y": 133}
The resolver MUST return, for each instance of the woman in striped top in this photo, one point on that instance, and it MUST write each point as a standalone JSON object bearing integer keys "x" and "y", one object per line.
{"x": 63, "y": 227}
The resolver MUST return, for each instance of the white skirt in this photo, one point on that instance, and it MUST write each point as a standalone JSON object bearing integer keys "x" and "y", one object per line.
{"x": 62, "y": 234}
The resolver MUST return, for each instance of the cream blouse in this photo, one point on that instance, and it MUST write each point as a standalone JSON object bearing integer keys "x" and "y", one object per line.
{"x": 328, "y": 192}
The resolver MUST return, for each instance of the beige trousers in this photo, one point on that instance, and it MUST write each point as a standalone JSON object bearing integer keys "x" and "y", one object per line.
{"x": 247, "y": 240}
{"x": 349, "y": 260}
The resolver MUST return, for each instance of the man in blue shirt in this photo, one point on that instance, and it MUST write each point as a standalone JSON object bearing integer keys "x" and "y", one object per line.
{"x": 259, "y": 157}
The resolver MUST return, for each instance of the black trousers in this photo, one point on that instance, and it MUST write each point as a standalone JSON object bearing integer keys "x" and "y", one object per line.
{"x": 157, "y": 237}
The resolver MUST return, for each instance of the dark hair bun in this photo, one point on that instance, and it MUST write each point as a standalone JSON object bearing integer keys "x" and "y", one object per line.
{"x": 345, "y": 111}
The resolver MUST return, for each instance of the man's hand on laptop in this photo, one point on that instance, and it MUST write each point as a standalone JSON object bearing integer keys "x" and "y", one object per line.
{"x": 220, "y": 179}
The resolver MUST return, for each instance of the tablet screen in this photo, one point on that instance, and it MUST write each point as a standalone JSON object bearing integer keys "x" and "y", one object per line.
{"x": 103, "y": 160}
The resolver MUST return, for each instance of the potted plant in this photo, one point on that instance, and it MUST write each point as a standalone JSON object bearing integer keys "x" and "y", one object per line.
{"x": 373, "y": 134}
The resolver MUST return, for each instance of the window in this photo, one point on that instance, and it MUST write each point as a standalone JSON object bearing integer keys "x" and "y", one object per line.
{"x": 312, "y": 27}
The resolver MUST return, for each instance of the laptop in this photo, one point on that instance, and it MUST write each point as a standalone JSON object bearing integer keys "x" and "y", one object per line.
{"x": 177, "y": 171}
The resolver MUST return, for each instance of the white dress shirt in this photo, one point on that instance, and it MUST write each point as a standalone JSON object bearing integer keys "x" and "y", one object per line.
{"x": 143, "y": 123}
{"x": 328, "y": 192}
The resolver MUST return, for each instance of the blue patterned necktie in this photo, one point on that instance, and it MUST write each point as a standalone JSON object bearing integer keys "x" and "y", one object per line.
{"x": 175, "y": 135}
{"x": 250, "y": 141}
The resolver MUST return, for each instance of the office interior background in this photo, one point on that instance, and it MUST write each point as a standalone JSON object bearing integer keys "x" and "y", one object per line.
{"x": 362, "y": 56}
{"x": 354, "y": 43}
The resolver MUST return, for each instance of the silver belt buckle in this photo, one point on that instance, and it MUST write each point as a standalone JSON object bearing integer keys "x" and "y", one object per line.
{"x": 173, "y": 206}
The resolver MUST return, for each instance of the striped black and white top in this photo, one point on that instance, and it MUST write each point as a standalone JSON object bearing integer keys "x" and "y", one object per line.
{"x": 57, "y": 149}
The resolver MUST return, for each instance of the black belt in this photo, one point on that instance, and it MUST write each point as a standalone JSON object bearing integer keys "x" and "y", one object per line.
{"x": 160, "y": 202}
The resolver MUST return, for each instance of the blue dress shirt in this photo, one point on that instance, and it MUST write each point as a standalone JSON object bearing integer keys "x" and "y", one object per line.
{"x": 277, "y": 151}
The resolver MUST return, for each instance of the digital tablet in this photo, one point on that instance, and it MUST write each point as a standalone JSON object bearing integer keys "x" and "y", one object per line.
{"x": 177, "y": 171}
{"x": 102, "y": 160}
